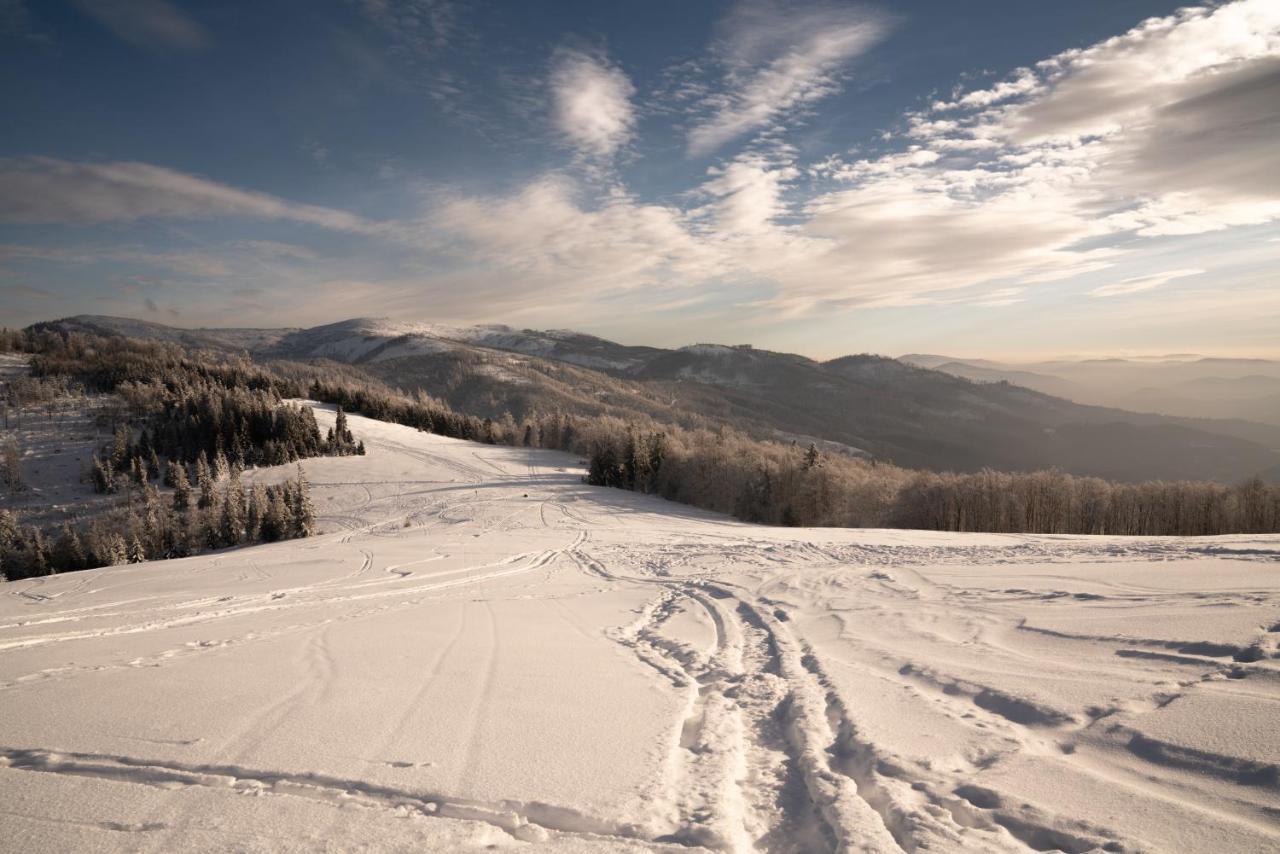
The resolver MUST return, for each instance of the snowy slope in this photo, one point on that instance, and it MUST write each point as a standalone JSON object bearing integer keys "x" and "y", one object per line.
{"x": 482, "y": 652}
{"x": 379, "y": 339}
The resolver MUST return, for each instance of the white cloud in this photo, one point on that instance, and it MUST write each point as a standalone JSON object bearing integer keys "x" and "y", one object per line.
{"x": 747, "y": 194}
{"x": 591, "y": 103}
{"x": 1023, "y": 82}
{"x": 1017, "y": 186}
{"x": 46, "y": 190}
{"x": 147, "y": 23}
{"x": 1138, "y": 284}
{"x": 779, "y": 58}
{"x": 1166, "y": 130}
{"x": 544, "y": 243}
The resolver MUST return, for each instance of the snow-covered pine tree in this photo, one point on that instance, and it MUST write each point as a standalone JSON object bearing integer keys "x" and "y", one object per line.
{"x": 204, "y": 481}
{"x": 304, "y": 512}
{"x": 181, "y": 487}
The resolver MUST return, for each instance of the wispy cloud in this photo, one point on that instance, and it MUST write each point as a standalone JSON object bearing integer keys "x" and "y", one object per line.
{"x": 417, "y": 27}
{"x": 1138, "y": 284}
{"x": 1020, "y": 183}
{"x": 549, "y": 241}
{"x": 27, "y": 292}
{"x": 147, "y": 23}
{"x": 46, "y": 190}
{"x": 591, "y": 102}
{"x": 747, "y": 194}
{"x": 1167, "y": 129}
{"x": 778, "y": 58}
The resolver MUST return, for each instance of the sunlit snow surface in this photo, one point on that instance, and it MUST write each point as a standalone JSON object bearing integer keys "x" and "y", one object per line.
{"x": 479, "y": 651}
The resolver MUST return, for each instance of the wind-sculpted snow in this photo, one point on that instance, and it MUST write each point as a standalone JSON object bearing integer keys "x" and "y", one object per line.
{"x": 478, "y": 651}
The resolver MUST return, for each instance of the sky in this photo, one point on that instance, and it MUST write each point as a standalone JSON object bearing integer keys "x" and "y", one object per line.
{"x": 992, "y": 178}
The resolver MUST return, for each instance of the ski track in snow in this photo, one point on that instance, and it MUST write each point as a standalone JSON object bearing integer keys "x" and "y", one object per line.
{"x": 479, "y": 651}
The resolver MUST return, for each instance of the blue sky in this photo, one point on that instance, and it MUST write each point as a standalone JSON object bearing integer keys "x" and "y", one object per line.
{"x": 988, "y": 178}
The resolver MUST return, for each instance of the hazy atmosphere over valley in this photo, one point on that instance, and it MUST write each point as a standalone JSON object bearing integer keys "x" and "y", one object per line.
{"x": 734, "y": 426}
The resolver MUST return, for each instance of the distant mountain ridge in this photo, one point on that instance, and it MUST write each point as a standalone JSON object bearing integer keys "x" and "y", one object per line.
{"x": 886, "y": 408}
{"x": 1181, "y": 385}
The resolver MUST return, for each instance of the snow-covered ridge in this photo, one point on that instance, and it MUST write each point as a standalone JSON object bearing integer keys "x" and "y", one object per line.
{"x": 380, "y": 339}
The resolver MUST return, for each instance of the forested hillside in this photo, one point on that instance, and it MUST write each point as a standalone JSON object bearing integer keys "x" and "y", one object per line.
{"x": 864, "y": 404}
{"x": 185, "y": 429}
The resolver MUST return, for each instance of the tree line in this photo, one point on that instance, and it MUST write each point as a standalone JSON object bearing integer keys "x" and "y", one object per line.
{"x": 190, "y": 423}
{"x": 151, "y": 526}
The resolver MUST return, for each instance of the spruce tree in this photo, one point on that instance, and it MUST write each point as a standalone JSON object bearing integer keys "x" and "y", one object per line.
{"x": 231, "y": 522}
{"x": 277, "y": 519}
{"x": 204, "y": 481}
{"x": 117, "y": 550}
{"x": 221, "y": 468}
{"x": 102, "y": 481}
{"x": 11, "y": 468}
{"x": 181, "y": 488}
{"x": 152, "y": 519}
{"x": 39, "y": 553}
{"x": 304, "y": 512}
{"x": 138, "y": 470}
{"x": 256, "y": 506}
{"x": 121, "y": 447}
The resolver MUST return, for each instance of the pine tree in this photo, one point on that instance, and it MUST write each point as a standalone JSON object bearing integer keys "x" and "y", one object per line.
{"x": 69, "y": 554}
{"x": 221, "y": 468}
{"x": 152, "y": 520}
{"x": 657, "y": 453}
{"x": 204, "y": 481}
{"x": 304, "y": 512}
{"x": 8, "y": 530}
{"x": 103, "y": 479}
{"x": 231, "y": 523}
{"x": 343, "y": 433}
{"x": 117, "y": 551}
{"x": 39, "y": 553}
{"x": 181, "y": 487}
{"x": 138, "y": 470}
{"x": 11, "y": 468}
{"x": 121, "y": 447}
{"x": 137, "y": 554}
{"x": 210, "y": 529}
{"x": 256, "y": 507}
{"x": 276, "y": 520}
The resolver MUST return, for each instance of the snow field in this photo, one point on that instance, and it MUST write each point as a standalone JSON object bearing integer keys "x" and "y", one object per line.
{"x": 480, "y": 651}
